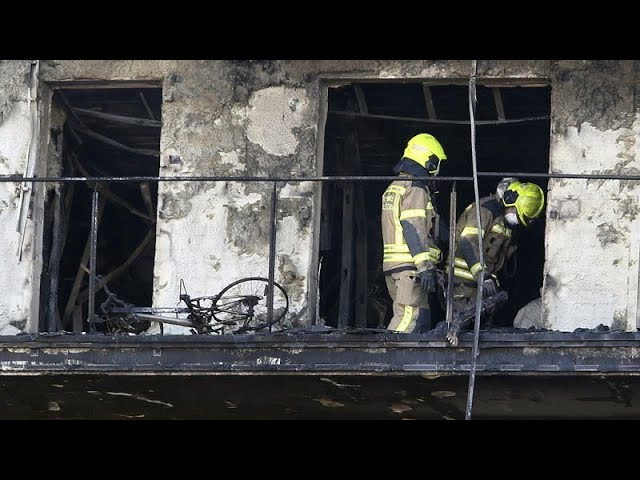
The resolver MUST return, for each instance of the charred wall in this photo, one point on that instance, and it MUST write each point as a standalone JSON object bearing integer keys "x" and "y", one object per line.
{"x": 263, "y": 118}
{"x": 16, "y": 139}
{"x": 591, "y": 273}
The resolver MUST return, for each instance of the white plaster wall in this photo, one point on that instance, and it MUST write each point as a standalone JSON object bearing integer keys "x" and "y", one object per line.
{"x": 593, "y": 232}
{"x": 588, "y": 280}
{"x": 228, "y": 118}
{"x": 196, "y": 247}
{"x": 273, "y": 113}
{"x": 294, "y": 241}
{"x": 15, "y": 275}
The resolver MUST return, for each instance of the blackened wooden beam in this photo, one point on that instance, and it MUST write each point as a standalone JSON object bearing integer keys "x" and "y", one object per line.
{"x": 346, "y": 113}
{"x": 146, "y": 105}
{"x": 118, "y": 118}
{"x": 497, "y": 97}
{"x": 77, "y": 283}
{"x": 362, "y": 101}
{"x": 346, "y": 267}
{"x": 84, "y": 295}
{"x": 114, "y": 143}
{"x": 360, "y": 220}
{"x": 428, "y": 100}
{"x": 103, "y": 189}
{"x": 54, "y": 263}
{"x": 145, "y": 191}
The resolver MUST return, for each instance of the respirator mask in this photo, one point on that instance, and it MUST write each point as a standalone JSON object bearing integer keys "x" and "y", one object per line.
{"x": 511, "y": 218}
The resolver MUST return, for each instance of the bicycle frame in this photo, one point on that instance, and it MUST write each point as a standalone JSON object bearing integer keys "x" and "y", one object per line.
{"x": 234, "y": 313}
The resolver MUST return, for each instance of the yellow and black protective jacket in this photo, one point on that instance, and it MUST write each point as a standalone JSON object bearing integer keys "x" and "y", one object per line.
{"x": 496, "y": 240}
{"x": 409, "y": 222}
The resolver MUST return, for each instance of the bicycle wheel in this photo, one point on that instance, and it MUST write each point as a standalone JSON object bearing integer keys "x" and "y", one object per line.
{"x": 242, "y": 305}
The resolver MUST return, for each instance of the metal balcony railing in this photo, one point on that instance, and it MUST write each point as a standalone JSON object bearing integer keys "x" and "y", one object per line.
{"x": 275, "y": 181}
{"x": 94, "y": 181}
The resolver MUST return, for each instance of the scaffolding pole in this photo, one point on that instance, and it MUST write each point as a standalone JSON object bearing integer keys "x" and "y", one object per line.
{"x": 476, "y": 325}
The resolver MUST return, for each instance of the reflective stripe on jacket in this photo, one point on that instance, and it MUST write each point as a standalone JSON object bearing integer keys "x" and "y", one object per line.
{"x": 408, "y": 225}
{"x": 496, "y": 240}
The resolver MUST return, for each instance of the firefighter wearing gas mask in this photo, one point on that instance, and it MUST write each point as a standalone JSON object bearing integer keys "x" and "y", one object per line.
{"x": 515, "y": 204}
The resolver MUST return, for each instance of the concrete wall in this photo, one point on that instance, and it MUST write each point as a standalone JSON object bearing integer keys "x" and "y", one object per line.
{"x": 262, "y": 118}
{"x": 593, "y": 229}
{"x": 226, "y": 118}
{"x": 15, "y": 138}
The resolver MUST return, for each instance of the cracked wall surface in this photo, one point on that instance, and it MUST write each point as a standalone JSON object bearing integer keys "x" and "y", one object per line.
{"x": 260, "y": 118}
{"x": 15, "y": 136}
{"x": 226, "y": 118}
{"x": 592, "y": 237}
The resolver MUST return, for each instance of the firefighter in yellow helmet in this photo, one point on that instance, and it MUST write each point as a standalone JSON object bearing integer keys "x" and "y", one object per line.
{"x": 409, "y": 222}
{"x": 514, "y": 204}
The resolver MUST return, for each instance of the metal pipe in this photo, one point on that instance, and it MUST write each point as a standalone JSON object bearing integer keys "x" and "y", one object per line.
{"x": 343, "y": 178}
{"x": 151, "y": 310}
{"x": 161, "y": 320}
{"x": 347, "y": 113}
{"x": 273, "y": 221}
{"x": 27, "y": 190}
{"x": 140, "y": 179}
{"x": 452, "y": 252}
{"x": 92, "y": 260}
{"x": 586, "y": 176}
{"x": 476, "y": 325}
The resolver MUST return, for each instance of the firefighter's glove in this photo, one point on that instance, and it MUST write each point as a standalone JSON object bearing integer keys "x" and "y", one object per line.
{"x": 489, "y": 287}
{"x": 428, "y": 280}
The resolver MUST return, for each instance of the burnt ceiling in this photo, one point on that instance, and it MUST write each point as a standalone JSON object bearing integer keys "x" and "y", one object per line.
{"x": 382, "y": 140}
{"x": 133, "y": 115}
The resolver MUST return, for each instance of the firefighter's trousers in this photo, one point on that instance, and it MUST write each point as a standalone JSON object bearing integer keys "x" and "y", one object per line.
{"x": 464, "y": 295}
{"x": 464, "y": 299}
{"x": 410, "y": 303}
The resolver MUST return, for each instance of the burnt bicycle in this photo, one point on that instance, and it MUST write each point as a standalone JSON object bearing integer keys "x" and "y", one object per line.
{"x": 240, "y": 307}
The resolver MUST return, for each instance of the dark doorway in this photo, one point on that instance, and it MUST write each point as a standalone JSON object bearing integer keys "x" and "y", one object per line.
{"x": 107, "y": 132}
{"x": 380, "y": 140}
